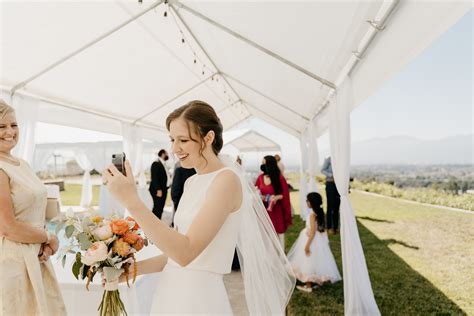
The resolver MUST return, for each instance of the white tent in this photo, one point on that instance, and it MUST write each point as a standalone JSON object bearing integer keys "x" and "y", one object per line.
{"x": 121, "y": 67}
{"x": 251, "y": 141}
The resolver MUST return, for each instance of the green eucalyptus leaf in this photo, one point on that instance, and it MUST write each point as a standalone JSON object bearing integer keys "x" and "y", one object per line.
{"x": 76, "y": 268}
{"x": 69, "y": 231}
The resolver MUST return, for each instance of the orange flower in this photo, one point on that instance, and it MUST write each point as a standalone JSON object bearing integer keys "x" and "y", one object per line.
{"x": 119, "y": 226}
{"x": 121, "y": 247}
{"x": 130, "y": 238}
{"x": 130, "y": 219}
{"x": 138, "y": 245}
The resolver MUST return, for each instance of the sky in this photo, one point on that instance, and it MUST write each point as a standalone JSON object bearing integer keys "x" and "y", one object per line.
{"x": 431, "y": 98}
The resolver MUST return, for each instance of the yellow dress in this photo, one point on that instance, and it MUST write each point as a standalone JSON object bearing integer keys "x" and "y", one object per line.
{"x": 27, "y": 287}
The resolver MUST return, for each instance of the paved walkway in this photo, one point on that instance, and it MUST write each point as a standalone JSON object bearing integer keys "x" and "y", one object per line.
{"x": 235, "y": 290}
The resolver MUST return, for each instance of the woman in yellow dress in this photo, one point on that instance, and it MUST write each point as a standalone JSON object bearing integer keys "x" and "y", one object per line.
{"x": 28, "y": 284}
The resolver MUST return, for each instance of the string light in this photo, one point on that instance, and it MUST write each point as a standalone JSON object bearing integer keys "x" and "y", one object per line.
{"x": 196, "y": 58}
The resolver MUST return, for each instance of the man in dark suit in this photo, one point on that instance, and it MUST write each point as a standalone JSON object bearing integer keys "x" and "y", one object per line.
{"x": 333, "y": 198}
{"x": 180, "y": 176}
{"x": 159, "y": 183}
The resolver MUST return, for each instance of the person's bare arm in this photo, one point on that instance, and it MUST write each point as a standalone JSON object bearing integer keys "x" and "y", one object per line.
{"x": 311, "y": 233}
{"x": 224, "y": 196}
{"x": 10, "y": 228}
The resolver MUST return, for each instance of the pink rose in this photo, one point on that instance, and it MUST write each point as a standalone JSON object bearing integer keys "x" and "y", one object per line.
{"x": 96, "y": 253}
{"x": 102, "y": 232}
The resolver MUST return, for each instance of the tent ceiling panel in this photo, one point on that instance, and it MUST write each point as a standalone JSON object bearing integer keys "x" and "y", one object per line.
{"x": 254, "y": 68}
{"x": 319, "y": 32}
{"x": 53, "y": 30}
{"x": 272, "y": 120}
{"x": 145, "y": 74}
{"x": 209, "y": 94}
{"x": 145, "y": 64}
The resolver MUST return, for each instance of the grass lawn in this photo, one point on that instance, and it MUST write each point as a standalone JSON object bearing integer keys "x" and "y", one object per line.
{"x": 419, "y": 259}
{"x": 72, "y": 194}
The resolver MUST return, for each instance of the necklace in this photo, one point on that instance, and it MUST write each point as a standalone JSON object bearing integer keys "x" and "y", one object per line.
{"x": 10, "y": 159}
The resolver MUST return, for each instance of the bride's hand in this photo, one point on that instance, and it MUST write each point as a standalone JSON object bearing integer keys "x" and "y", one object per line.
{"x": 122, "y": 187}
{"x": 122, "y": 278}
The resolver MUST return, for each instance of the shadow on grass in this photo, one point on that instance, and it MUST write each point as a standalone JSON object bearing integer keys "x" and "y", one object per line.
{"x": 398, "y": 289}
{"x": 374, "y": 219}
{"x": 398, "y": 242}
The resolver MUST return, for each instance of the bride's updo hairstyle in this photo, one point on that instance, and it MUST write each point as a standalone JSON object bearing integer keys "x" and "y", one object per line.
{"x": 5, "y": 109}
{"x": 201, "y": 118}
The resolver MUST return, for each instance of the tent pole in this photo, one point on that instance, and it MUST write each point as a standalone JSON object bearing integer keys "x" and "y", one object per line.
{"x": 81, "y": 49}
{"x": 174, "y": 98}
{"x": 83, "y": 109}
{"x": 266, "y": 96}
{"x": 257, "y": 46}
{"x": 375, "y": 28}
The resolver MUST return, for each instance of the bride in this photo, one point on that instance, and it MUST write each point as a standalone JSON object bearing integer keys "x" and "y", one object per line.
{"x": 219, "y": 211}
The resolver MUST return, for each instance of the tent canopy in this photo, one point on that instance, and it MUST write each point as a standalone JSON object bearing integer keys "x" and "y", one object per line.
{"x": 95, "y": 64}
{"x": 251, "y": 141}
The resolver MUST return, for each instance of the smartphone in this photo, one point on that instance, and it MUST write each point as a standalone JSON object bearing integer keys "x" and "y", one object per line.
{"x": 119, "y": 161}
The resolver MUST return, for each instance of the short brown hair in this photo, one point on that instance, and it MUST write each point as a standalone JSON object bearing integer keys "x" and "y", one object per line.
{"x": 5, "y": 108}
{"x": 202, "y": 118}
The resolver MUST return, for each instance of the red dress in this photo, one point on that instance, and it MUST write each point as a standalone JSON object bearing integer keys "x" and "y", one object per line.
{"x": 281, "y": 212}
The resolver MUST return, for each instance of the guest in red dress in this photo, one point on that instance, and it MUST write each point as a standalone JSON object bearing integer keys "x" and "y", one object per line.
{"x": 274, "y": 191}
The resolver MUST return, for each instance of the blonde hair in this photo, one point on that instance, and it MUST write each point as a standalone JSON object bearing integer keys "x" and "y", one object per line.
{"x": 5, "y": 109}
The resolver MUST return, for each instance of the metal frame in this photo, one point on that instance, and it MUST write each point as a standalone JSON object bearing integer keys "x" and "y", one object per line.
{"x": 255, "y": 45}
{"x": 188, "y": 29}
{"x": 83, "y": 109}
{"x": 376, "y": 27}
{"x": 266, "y": 96}
{"x": 296, "y": 132}
{"x": 173, "y": 98}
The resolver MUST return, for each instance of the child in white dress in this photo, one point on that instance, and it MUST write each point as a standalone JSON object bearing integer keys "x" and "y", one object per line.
{"x": 310, "y": 257}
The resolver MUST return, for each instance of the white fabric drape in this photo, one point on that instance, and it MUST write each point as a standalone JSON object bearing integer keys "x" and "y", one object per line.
{"x": 41, "y": 157}
{"x": 98, "y": 157}
{"x": 133, "y": 149}
{"x": 26, "y": 109}
{"x": 313, "y": 157}
{"x": 85, "y": 164}
{"x": 303, "y": 173}
{"x": 358, "y": 295}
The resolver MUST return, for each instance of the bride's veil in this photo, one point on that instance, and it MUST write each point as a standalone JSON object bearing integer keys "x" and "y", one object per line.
{"x": 268, "y": 278}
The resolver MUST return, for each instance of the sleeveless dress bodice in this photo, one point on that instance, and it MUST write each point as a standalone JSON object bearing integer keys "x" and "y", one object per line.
{"x": 217, "y": 256}
{"x": 28, "y": 287}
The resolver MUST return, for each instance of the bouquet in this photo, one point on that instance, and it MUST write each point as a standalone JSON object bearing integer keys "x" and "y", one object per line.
{"x": 102, "y": 245}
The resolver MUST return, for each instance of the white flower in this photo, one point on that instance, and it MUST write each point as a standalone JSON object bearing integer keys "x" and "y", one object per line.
{"x": 96, "y": 253}
{"x": 102, "y": 233}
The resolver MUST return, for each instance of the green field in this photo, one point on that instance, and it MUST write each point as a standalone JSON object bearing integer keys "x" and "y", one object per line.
{"x": 72, "y": 194}
{"x": 419, "y": 260}
{"x": 419, "y": 257}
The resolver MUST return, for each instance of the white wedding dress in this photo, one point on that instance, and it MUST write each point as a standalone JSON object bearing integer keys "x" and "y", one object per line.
{"x": 319, "y": 266}
{"x": 198, "y": 288}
